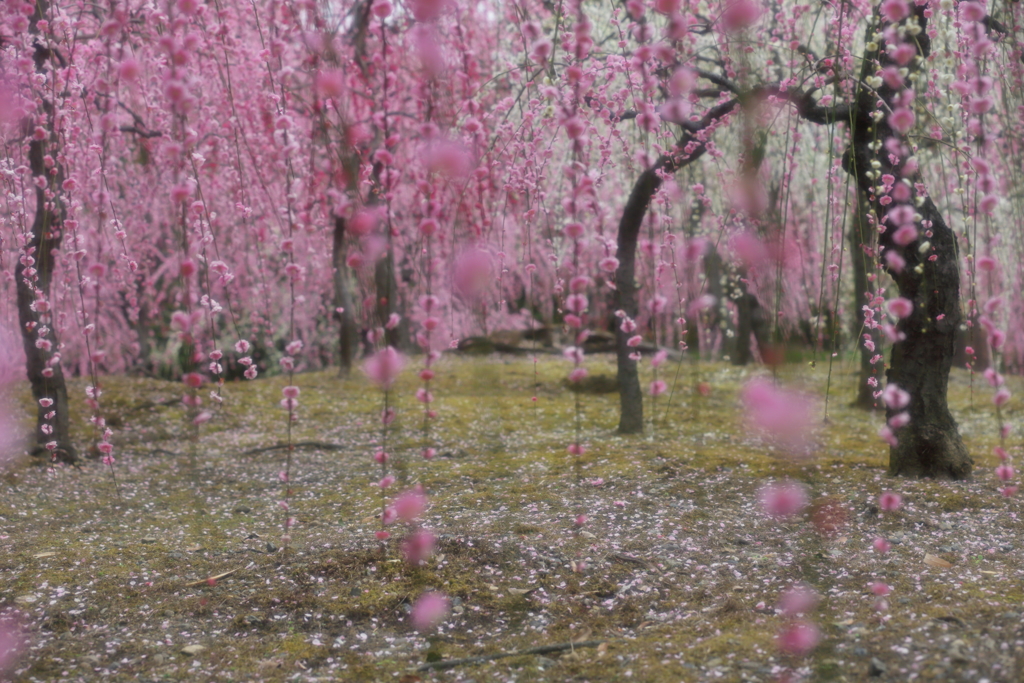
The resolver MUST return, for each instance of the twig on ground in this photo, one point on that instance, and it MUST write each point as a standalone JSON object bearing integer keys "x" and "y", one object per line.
{"x": 322, "y": 445}
{"x": 541, "y": 650}
{"x": 218, "y": 577}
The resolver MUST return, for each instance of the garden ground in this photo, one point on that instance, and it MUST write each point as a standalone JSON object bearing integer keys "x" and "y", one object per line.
{"x": 674, "y": 577}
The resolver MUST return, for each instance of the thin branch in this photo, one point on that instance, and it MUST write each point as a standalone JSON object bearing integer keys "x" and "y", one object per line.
{"x": 446, "y": 664}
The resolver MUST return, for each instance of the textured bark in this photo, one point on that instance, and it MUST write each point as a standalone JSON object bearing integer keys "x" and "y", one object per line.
{"x": 750, "y": 319}
{"x": 863, "y": 235}
{"x": 35, "y": 277}
{"x": 688, "y": 148}
{"x": 348, "y": 334}
{"x": 930, "y": 445}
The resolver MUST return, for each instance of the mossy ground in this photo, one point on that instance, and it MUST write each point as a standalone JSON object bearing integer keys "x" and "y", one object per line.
{"x": 671, "y": 568}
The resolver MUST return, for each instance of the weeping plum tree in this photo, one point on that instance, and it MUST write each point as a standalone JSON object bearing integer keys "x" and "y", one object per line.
{"x": 33, "y": 274}
{"x": 255, "y": 184}
{"x": 870, "y": 100}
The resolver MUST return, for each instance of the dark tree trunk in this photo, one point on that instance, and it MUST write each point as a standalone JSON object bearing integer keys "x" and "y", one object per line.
{"x": 631, "y": 415}
{"x": 631, "y": 400}
{"x": 930, "y": 445}
{"x": 348, "y": 336}
{"x": 750, "y": 319}
{"x": 976, "y": 338}
{"x": 863, "y": 236}
{"x": 32, "y": 276}
{"x": 717, "y": 318}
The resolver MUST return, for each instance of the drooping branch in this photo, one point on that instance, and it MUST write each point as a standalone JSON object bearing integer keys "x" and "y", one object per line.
{"x": 691, "y": 146}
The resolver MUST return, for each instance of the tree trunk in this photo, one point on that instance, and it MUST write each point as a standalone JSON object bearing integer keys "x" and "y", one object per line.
{"x": 631, "y": 400}
{"x": 930, "y": 445}
{"x": 862, "y": 236}
{"x": 33, "y": 275}
{"x": 348, "y": 336}
{"x": 750, "y": 320}
{"x": 631, "y": 408}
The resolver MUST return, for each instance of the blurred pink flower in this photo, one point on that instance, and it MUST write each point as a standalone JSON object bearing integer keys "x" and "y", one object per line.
{"x": 411, "y": 504}
{"x": 430, "y": 609}
{"x": 418, "y": 547}
{"x": 785, "y": 416}
{"x": 783, "y": 499}
{"x": 890, "y": 501}
{"x": 384, "y": 367}
{"x": 799, "y": 638}
{"x": 900, "y": 307}
{"x": 800, "y": 599}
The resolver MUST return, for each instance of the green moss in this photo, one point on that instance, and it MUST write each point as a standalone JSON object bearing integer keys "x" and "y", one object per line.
{"x": 130, "y": 565}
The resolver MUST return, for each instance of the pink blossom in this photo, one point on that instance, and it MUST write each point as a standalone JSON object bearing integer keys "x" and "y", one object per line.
{"x": 577, "y": 303}
{"x": 783, "y": 499}
{"x": 750, "y": 249}
{"x": 578, "y": 375}
{"x": 895, "y": 10}
{"x": 129, "y": 69}
{"x": 1005, "y": 472}
{"x": 635, "y": 341}
{"x": 384, "y": 367}
{"x": 800, "y": 599}
{"x": 972, "y": 11}
{"x": 899, "y": 420}
{"x": 890, "y": 501}
{"x": 473, "y": 273}
{"x": 885, "y": 433}
{"x": 881, "y": 545}
{"x": 894, "y": 261}
{"x": 609, "y": 264}
{"x": 986, "y": 264}
{"x": 892, "y": 77}
{"x": 900, "y": 307}
{"x": 427, "y": 10}
{"x": 429, "y": 610}
{"x": 905, "y": 234}
{"x": 902, "y": 120}
{"x": 386, "y": 481}
{"x": 418, "y": 547}
{"x": 988, "y": 203}
{"x": 411, "y": 504}
{"x": 783, "y": 415}
{"x": 658, "y": 387}
{"x": 879, "y": 588}
{"x": 428, "y": 227}
{"x": 903, "y": 54}
{"x": 739, "y": 15}
{"x": 1001, "y": 397}
{"x": 574, "y": 354}
{"x": 290, "y": 392}
{"x": 799, "y": 638}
